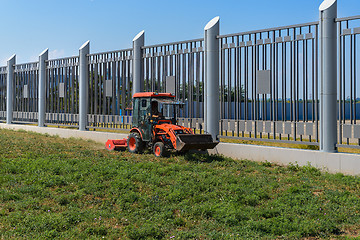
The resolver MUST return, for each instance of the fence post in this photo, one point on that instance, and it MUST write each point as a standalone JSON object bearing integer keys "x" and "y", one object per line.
{"x": 42, "y": 94}
{"x": 138, "y": 63}
{"x": 83, "y": 85}
{"x": 10, "y": 90}
{"x": 328, "y": 76}
{"x": 211, "y": 89}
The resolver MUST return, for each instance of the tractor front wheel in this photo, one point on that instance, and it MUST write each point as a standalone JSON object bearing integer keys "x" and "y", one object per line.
{"x": 134, "y": 142}
{"x": 159, "y": 149}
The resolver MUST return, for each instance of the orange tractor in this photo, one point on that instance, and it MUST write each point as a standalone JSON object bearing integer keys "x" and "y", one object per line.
{"x": 154, "y": 127}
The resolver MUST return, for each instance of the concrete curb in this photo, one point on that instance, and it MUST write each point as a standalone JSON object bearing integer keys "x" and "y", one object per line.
{"x": 100, "y": 137}
{"x": 331, "y": 162}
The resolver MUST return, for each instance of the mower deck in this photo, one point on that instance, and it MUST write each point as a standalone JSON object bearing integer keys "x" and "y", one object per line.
{"x": 116, "y": 144}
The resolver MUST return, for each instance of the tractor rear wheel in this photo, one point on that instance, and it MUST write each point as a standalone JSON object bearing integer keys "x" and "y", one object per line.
{"x": 159, "y": 149}
{"x": 134, "y": 143}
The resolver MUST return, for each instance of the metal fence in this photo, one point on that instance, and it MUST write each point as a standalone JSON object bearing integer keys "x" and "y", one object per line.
{"x": 348, "y": 80}
{"x": 183, "y": 60}
{"x": 269, "y": 84}
{"x": 110, "y": 90}
{"x": 25, "y": 102}
{"x": 62, "y": 92}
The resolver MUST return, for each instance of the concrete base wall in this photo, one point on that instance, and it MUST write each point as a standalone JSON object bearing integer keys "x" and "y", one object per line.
{"x": 100, "y": 137}
{"x": 331, "y": 162}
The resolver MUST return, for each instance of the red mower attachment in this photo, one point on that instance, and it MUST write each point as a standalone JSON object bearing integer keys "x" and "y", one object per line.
{"x": 116, "y": 144}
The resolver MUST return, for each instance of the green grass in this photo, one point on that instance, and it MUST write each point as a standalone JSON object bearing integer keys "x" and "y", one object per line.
{"x": 53, "y": 188}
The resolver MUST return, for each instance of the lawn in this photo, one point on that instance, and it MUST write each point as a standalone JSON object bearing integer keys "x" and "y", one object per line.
{"x": 54, "y": 188}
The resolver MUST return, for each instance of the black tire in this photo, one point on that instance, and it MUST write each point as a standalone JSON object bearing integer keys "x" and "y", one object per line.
{"x": 159, "y": 149}
{"x": 134, "y": 143}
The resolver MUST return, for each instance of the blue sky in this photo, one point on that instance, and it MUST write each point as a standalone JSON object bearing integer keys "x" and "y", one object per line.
{"x": 30, "y": 26}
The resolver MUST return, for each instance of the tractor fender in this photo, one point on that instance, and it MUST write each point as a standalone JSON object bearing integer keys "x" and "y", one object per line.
{"x": 136, "y": 130}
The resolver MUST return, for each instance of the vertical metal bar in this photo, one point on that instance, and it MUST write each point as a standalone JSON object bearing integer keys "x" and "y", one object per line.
{"x": 152, "y": 69}
{"x": 198, "y": 54}
{"x": 212, "y": 76}
{"x": 55, "y": 92}
{"x": 102, "y": 86}
{"x": 91, "y": 85}
{"x": 66, "y": 83}
{"x": 241, "y": 73}
{"x": 297, "y": 80}
{"x": 328, "y": 76}
{"x": 47, "y": 87}
{"x": 118, "y": 87}
{"x": 237, "y": 68}
{"x": 183, "y": 74}
{"x": 73, "y": 88}
{"x": 246, "y": 79}
{"x": 292, "y": 80}
{"x": 27, "y": 102}
{"x": 316, "y": 63}
{"x": 123, "y": 87}
{"x": 190, "y": 79}
{"x": 138, "y": 71}
{"x": 253, "y": 78}
{"x": 353, "y": 46}
{"x": 36, "y": 90}
{"x": 31, "y": 81}
{"x": 343, "y": 79}
{"x": 158, "y": 69}
{"x": 52, "y": 89}
{"x": 236, "y": 79}
{"x": 354, "y": 75}
{"x": 351, "y": 79}
{"x": 146, "y": 66}
{"x": 83, "y": 85}
{"x": 96, "y": 86}
{"x": 254, "y": 69}
{"x": 107, "y": 77}
{"x": 10, "y": 91}
{"x": 264, "y": 96}
{"x": 164, "y": 68}
{"x": 42, "y": 90}
{"x": 222, "y": 80}
{"x": 113, "y": 82}
{"x": 229, "y": 85}
{"x": 57, "y": 83}
{"x": 305, "y": 76}
{"x": 283, "y": 80}
{"x": 276, "y": 78}
{"x": 128, "y": 68}
{"x": 272, "y": 84}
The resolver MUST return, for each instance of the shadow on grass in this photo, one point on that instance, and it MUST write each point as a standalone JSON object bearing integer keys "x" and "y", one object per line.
{"x": 203, "y": 157}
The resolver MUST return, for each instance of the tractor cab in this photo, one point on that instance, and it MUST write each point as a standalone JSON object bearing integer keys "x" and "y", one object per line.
{"x": 151, "y": 109}
{"x": 164, "y": 110}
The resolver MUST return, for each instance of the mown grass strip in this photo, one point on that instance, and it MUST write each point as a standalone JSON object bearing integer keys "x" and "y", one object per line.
{"x": 71, "y": 189}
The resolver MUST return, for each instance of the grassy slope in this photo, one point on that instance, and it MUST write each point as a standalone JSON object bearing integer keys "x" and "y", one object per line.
{"x": 69, "y": 189}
